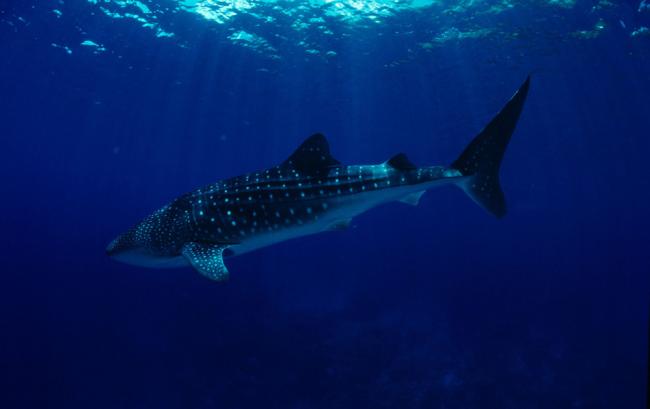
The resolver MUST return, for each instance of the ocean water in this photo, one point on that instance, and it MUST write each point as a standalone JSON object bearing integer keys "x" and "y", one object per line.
{"x": 111, "y": 108}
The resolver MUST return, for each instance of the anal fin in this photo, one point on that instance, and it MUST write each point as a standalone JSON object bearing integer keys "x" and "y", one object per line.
{"x": 207, "y": 259}
{"x": 342, "y": 224}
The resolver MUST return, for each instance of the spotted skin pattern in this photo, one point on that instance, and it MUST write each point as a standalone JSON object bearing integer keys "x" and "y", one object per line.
{"x": 254, "y": 210}
{"x": 309, "y": 193}
{"x": 208, "y": 259}
{"x": 236, "y": 209}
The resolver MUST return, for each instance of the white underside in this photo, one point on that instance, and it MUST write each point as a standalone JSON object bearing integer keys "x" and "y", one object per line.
{"x": 344, "y": 208}
{"x": 144, "y": 259}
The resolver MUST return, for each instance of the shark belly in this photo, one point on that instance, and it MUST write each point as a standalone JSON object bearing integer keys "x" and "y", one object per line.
{"x": 288, "y": 233}
{"x": 340, "y": 211}
{"x": 145, "y": 259}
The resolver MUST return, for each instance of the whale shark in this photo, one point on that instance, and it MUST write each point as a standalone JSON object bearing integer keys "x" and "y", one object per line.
{"x": 308, "y": 193}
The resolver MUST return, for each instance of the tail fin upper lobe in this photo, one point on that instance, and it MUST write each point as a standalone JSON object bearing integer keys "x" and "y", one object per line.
{"x": 481, "y": 159}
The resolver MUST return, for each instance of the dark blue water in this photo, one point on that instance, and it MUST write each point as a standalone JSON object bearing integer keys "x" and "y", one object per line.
{"x": 435, "y": 306}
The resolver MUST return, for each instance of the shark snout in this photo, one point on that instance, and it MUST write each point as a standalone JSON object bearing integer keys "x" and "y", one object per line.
{"x": 120, "y": 245}
{"x": 115, "y": 247}
{"x": 111, "y": 249}
{"x": 130, "y": 249}
{"x": 125, "y": 249}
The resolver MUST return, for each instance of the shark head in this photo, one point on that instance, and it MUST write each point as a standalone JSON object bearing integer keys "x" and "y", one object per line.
{"x": 147, "y": 243}
{"x": 129, "y": 248}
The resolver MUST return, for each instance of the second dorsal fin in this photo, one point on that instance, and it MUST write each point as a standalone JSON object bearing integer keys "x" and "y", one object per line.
{"x": 401, "y": 162}
{"x": 313, "y": 156}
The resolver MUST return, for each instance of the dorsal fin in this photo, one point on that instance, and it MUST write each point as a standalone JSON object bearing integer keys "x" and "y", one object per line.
{"x": 401, "y": 162}
{"x": 313, "y": 156}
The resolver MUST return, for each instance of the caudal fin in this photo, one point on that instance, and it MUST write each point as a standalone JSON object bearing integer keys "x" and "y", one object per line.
{"x": 481, "y": 159}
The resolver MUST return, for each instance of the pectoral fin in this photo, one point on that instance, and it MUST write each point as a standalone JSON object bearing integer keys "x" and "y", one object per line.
{"x": 413, "y": 199}
{"x": 207, "y": 259}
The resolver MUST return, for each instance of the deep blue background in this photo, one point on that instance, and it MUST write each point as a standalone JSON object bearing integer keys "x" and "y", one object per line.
{"x": 434, "y": 306}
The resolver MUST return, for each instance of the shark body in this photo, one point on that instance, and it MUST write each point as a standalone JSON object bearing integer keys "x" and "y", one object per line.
{"x": 308, "y": 193}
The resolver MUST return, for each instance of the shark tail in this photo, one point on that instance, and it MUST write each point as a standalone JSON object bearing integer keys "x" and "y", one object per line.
{"x": 481, "y": 159}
